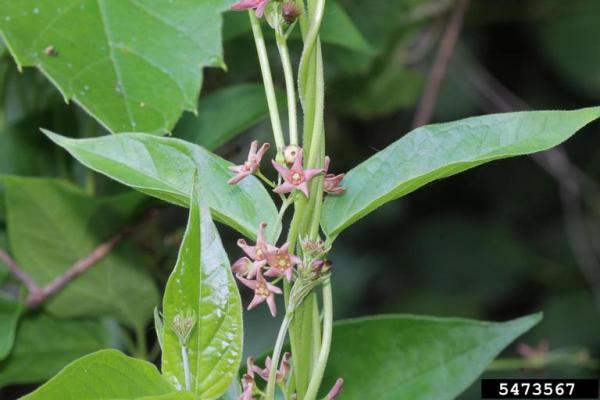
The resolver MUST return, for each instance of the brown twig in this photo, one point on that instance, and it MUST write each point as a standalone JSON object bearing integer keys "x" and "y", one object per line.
{"x": 18, "y": 272}
{"x": 38, "y": 296}
{"x": 438, "y": 71}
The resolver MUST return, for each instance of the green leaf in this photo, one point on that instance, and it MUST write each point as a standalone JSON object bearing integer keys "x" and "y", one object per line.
{"x": 105, "y": 375}
{"x": 339, "y": 29}
{"x": 441, "y": 150}
{"x": 44, "y": 345}
{"x": 53, "y": 224}
{"x": 225, "y": 114}
{"x": 202, "y": 285}
{"x": 165, "y": 168}
{"x": 132, "y": 64}
{"x": 9, "y": 316}
{"x": 408, "y": 357}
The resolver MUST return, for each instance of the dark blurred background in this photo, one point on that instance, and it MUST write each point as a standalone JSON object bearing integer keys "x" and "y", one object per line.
{"x": 494, "y": 243}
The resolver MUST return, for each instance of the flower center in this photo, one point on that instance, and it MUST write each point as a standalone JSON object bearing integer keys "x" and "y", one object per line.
{"x": 283, "y": 262}
{"x": 260, "y": 254}
{"x": 262, "y": 290}
{"x": 247, "y": 166}
{"x": 296, "y": 177}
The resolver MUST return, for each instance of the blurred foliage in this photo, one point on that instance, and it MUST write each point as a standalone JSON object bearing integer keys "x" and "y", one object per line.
{"x": 487, "y": 244}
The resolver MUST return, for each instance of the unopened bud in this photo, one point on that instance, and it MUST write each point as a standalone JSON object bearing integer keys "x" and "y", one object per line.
{"x": 290, "y": 12}
{"x": 290, "y": 152}
{"x": 313, "y": 248}
{"x": 336, "y": 390}
{"x": 183, "y": 324}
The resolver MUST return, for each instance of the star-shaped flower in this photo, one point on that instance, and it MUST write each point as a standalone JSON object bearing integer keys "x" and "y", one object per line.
{"x": 251, "y": 165}
{"x": 331, "y": 184}
{"x": 296, "y": 177}
{"x": 258, "y": 253}
{"x": 263, "y": 291}
{"x": 282, "y": 262}
{"x": 284, "y": 368}
{"x": 258, "y": 5}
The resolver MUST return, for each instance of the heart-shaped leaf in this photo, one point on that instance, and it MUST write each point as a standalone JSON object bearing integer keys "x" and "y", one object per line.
{"x": 135, "y": 65}
{"x": 165, "y": 168}
{"x": 437, "y": 151}
{"x": 106, "y": 375}
{"x": 201, "y": 292}
{"x": 408, "y": 357}
{"x": 44, "y": 345}
{"x": 63, "y": 225}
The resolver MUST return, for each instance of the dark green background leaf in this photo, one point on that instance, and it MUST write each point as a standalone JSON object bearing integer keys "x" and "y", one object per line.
{"x": 45, "y": 344}
{"x": 63, "y": 225}
{"x": 9, "y": 317}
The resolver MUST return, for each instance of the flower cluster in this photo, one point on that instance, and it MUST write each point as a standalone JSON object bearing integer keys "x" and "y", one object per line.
{"x": 248, "y": 382}
{"x": 249, "y": 270}
{"x": 289, "y": 11}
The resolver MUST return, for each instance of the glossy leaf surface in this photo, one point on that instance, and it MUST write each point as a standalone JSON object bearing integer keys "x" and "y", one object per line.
{"x": 44, "y": 345}
{"x": 437, "y": 151}
{"x": 103, "y": 54}
{"x": 202, "y": 284}
{"x": 165, "y": 168}
{"x": 407, "y": 357}
{"x": 105, "y": 375}
{"x": 64, "y": 225}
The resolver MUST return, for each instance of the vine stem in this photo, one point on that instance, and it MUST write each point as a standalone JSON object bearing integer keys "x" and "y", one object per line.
{"x": 288, "y": 73}
{"x": 265, "y": 68}
{"x": 285, "y": 324}
{"x": 319, "y": 370}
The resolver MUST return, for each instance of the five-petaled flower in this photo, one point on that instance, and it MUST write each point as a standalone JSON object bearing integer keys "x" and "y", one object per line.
{"x": 331, "y": 184}
{"x": 251, "y": 165}
{"x": 258, "y": 253}
{"x": 296, "y": 177}
{"x": 282, "y": 262}
{"x": 263, "y": 291}
{"x": 258, "y": 5}
{"x": 284, "y": 368}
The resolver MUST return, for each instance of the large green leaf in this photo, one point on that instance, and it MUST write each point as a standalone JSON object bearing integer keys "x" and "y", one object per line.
{"x": 9, "y": 316}
{"x": 437, "y": 151}
{"x": 407, "y": 357}
{"x": 53, "y": 224}
{"x": 132, "y": 64}
{"x": 106, "y": 375}
{"x": 44, "y": 345}
{"x": 224, "y": 114}
{"x": 202, "y": 284}
{"x": 165, "y": 168}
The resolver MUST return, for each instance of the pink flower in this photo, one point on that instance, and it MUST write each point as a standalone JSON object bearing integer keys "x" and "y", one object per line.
{"x": 263, "y": 291}
{"x": 247, "y": 387}
{"x": 335, "y": 390}
{"x": 284, "y": 368}
{"x": 533, "y": 352}
{"x": 296, "y": 177}
{"x": 251, "y": 165}
{"x": 258, "y": 253}
{"x": 258, "y": 5}
{"x": 282, "y": 262}
{"x": 331, "y": 184}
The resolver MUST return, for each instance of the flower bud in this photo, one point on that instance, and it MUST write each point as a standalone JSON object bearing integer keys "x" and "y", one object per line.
{"x": 183, "y": 324}
{"x": 290, "y": 152}
{"x": 290, "y": 12}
